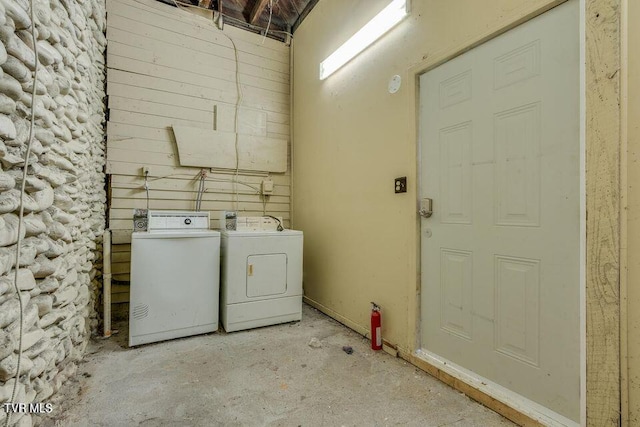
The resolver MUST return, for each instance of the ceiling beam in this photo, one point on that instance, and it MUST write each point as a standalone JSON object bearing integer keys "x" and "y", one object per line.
{"x": 303, "y": 15}
{"x": 257, "y": 11}
{"x": 169, "y": 2}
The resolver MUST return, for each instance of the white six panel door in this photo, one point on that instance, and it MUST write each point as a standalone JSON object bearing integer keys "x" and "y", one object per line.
{"x": 500, "y": 157}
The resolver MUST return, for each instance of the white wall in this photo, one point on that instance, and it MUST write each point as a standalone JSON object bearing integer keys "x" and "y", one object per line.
{"x": 168, "y": 66}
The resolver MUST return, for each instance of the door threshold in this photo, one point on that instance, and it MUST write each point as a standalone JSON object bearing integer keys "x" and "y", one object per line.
{"x": 494, "y": 396}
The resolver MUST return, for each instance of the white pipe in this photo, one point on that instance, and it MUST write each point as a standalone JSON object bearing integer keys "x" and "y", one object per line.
{"x": 291, "y": 177}
{"x": 106, "y": 284}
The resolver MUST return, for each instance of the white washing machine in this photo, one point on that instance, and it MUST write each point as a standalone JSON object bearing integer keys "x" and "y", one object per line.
{"x": 175, "y": 280}
{"x": 261, "y": 278}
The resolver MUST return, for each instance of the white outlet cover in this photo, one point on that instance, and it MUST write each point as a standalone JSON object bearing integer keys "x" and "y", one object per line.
{"x": 394, "y": 84}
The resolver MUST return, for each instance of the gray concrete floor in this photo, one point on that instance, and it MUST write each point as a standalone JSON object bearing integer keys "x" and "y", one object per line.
{"x": 262, "y": 377}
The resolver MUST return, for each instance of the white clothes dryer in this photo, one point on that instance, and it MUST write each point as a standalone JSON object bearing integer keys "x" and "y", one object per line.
{"x": 261, "y": 278}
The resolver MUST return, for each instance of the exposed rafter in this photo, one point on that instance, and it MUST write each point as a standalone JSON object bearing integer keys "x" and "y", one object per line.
{"x": 250, "y": 15}
{"x": 257, "y": 11}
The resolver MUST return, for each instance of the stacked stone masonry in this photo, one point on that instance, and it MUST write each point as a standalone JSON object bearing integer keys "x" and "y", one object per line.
{"x": 65, "y": 199}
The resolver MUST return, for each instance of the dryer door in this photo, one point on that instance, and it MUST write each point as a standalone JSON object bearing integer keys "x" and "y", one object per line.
{"x": 266, "y": 275}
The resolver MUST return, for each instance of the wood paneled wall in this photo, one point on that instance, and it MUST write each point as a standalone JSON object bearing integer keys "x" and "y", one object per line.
{"x": 168, "y": 67}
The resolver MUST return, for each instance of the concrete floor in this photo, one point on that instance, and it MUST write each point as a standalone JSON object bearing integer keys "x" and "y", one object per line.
{"x": 263, "y": 377}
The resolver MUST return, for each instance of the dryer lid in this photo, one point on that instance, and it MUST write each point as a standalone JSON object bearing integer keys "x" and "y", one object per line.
{"x": 284, "y": 233}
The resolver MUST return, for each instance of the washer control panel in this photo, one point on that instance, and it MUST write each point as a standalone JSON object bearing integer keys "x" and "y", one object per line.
{"x": 178, "y": 220}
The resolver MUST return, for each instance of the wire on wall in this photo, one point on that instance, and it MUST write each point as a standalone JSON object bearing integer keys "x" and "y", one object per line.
{"x": 146, "y": 186}
{"x": 238, "y": 103}
{"x": 266, "y": 31}
{"x": 25, "y": 168}
{"x": 201, "y": 188}
{"x": 237, "y": 113}
{"x": 179, "y": 175}
{"x": 240, "y": 95}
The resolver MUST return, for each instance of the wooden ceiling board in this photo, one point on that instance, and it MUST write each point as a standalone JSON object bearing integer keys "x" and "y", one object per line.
{"x": 257, "y": 10}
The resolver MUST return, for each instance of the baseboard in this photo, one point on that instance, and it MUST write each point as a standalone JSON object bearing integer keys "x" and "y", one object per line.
{"x": 338, "y": 317}
{"x": 495, "y": 397}
{"x": 448, "y": 376}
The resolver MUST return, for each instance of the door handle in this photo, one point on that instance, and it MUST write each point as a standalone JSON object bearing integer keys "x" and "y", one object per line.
{"x": 426, "y": 208}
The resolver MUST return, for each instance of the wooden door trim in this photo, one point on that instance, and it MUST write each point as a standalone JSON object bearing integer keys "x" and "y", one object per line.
{"x": 603, "y": 157}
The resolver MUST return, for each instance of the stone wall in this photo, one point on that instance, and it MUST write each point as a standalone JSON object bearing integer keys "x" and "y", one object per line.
{"x": 65, "y": 201}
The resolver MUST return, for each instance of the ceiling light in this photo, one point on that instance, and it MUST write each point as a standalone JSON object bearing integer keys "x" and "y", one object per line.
{"x": 372, "y": 31}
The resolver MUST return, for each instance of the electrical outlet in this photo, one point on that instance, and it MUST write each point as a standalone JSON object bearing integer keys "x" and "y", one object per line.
{"x": 401, "y": 184}
{"x": 267, "y": 187}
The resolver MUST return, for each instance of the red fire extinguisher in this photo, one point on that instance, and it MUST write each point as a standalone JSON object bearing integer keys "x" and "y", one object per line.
{"x": 376, "y": 323}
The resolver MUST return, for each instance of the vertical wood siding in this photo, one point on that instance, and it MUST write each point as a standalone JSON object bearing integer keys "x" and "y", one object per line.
{"x": 169, "y": 67}
{"x": 603, "y": 211}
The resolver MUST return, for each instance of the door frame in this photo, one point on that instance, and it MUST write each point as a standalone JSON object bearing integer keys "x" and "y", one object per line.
{"x": 600, "y": 158}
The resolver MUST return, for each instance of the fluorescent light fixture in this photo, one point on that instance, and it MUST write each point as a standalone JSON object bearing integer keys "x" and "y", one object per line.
{"x": 372, "y": 31}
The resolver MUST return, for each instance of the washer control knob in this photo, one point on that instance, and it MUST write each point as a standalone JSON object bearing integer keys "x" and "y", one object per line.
{"x": 187, "y": 221}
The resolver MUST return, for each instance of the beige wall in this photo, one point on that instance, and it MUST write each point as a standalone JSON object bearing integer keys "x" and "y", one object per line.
{"x": 167, "y": 67}
{"x": 633, "y": 213}
{"x": 351, "y": 139}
